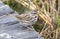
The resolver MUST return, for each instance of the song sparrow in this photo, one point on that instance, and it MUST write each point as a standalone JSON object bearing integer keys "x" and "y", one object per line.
{"x": 29, "y": 18}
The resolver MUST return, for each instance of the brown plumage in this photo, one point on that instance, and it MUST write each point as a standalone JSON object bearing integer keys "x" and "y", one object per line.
{"x": 30, "y": 17}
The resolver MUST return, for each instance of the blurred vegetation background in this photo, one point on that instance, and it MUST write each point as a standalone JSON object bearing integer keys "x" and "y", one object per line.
{"x": 16, "y": 6}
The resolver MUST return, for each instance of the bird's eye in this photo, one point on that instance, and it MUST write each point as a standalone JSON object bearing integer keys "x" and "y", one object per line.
{"x": 35, "y": 16}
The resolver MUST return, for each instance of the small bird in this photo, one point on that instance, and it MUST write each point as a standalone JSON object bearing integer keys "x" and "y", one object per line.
{"x": 29, "y": 17}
